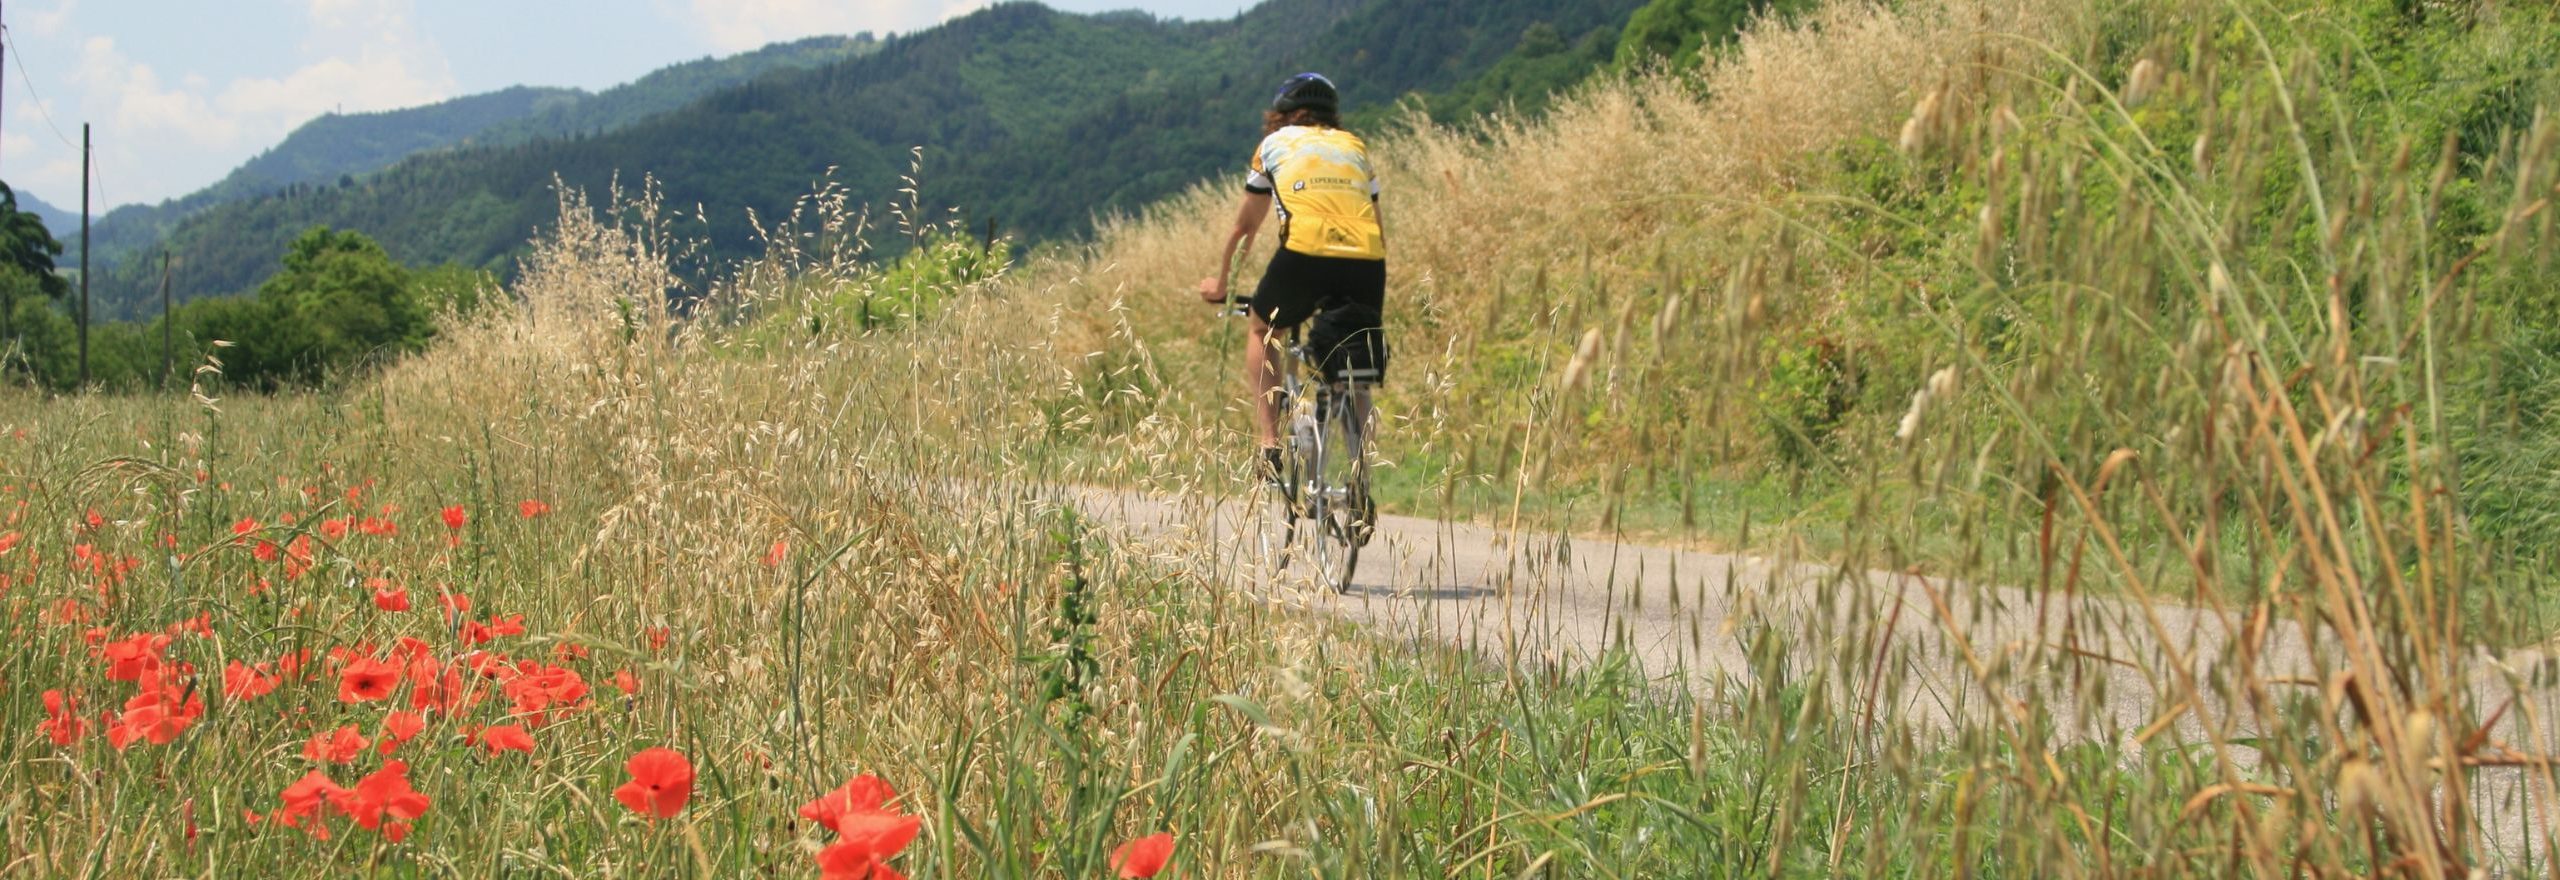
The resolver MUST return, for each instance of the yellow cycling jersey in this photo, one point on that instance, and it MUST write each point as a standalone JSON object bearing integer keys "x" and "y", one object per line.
{"x": 1326, "y": 192}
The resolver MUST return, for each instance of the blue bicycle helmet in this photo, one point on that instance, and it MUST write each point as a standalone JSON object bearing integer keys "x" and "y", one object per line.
{"x": 1306, "y": 90}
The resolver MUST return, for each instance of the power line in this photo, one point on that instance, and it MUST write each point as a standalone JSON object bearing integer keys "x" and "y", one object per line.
{"x": 97, "y": 181}
{"x": 29, "y": 84}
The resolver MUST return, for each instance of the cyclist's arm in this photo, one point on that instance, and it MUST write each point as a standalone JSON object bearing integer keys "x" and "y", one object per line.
{"x": 1240, "y": 239}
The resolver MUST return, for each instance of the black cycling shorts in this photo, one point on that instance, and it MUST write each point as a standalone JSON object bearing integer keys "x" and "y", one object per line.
{"x": 1348, "y": 299}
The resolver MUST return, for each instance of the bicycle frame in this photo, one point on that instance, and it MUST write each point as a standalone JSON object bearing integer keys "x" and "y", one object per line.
{"x": 1325, "y": 463}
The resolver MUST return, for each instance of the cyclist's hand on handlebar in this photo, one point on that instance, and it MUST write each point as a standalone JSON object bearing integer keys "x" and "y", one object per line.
{"x": 1213, "y": 290}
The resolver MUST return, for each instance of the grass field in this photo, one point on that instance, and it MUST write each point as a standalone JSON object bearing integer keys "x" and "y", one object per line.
{"x": 2233, "y": 306}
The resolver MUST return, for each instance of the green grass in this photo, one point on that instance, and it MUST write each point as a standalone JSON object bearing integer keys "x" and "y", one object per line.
{"x": 1235, "y": 725}
{"x": 2184, "y": 413}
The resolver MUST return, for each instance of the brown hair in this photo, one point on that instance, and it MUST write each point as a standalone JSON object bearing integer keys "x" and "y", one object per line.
{"x": 1274, "y": 120}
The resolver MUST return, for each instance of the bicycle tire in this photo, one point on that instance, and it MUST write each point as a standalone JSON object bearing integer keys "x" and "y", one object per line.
{"x": 1274, "y": 509}
{"x": 1272, "y": 522}
{"x": 1338, "y": 505}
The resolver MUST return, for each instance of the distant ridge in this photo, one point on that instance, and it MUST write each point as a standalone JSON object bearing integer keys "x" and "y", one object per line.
{"x": 65, "y": 225}
{"x": 334, "y": 149}
{"x": 1035, "y": 119}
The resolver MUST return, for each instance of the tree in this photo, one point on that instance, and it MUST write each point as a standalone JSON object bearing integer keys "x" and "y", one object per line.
{"x": 1681, "y": 30}
{"x": 26, "y": 249}
{"x": 338, "y": 300}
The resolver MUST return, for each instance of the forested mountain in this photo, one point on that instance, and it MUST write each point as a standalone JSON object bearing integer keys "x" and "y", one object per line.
{"x": 1034, "y": 119}
{"x": 340, "y": 144}
{"x": 336, "y": 148}
{"x": 669, "y": 88}
{"x": 63, "y": 224}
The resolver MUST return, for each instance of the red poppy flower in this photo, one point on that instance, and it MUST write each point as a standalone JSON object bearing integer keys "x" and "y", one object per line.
{"x": 455, "y": 604}
{"x": 870, "y": 840}
{"x": 390, "y": 598}
{"x": 1143, "y": 857}
{"x": 297, "y": 556}
{"x": 296, "y": 665}
{"x": 62, "y": 721}
{"x": 661, "y": 782}
{"x": 244, "y": 526}
{"x": 475, "y": 632}
{"x": 773, "y": 557}
{"x": 201, "y": 625}
{"x": 626, "y": 682}
{"x": 337, "y": 747}
{"x": 335, "y": 529}
{"x": 454, "y": 518}
{"x": 530, "y": 508}
{"x": 241, "y": 681}
{"x": 862, "y": 794}
{"x": 303, "y": 800}
{"x": 657, "y": 637}
{"x": 385, "y": 793}
{"x": 434, "y": 686}
{"x": 535, "y": 691}
{"x": 8, "y": 542}
{"x": 158, "y": 714}
{"x": 366, "y": 680}
{"x": 850, "y": 861}
{"x": 506, "y": 738}
{"x": 133, "y": 657}
{"x": 400, "y": 727}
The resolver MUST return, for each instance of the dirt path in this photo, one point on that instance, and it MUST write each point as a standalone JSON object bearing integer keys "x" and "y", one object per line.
{"x": 1950, "y": 650}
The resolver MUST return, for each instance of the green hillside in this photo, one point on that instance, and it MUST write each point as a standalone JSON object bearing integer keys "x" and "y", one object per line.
{"x": 669, "y": 88}
{"x": 339, "y": 144}
{"x": 64, "y": 224}
{"x": 336, "y": 148}
{"x": 1034, "y": 119}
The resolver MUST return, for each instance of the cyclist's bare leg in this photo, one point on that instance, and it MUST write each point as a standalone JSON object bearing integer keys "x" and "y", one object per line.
{"x": 1262, "y": 378}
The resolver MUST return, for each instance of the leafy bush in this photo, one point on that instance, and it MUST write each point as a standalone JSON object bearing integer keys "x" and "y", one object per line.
{"x": 1809, "y": 392}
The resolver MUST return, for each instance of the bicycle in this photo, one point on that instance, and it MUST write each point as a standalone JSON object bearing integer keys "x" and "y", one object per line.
{"x": 1324, "y": 465}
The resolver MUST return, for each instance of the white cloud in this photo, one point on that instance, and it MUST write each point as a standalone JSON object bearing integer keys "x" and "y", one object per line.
{"x": 365, "y": 83}
{"x": 64, "y": 168}
{"x": 739, "y": 25}
{"x": 159, "y": 139}
{"x": 342, "y": 13}
{"x": 47, "y": 21}
{"x": 137, "y": 103}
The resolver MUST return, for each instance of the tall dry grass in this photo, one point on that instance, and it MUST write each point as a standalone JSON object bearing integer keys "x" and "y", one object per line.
{"x": 2143, "y": 342}
{"x": 2157, "y": 562}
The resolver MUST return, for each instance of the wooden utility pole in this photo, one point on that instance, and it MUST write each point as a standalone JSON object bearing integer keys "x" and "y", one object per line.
{"x": 4, "y": 65}
{"x": 168, "y": 331}
{"x": 84, "y": 255}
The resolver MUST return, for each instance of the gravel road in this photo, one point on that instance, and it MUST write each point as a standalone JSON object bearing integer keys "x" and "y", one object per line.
{"x": 1952, "y": 653}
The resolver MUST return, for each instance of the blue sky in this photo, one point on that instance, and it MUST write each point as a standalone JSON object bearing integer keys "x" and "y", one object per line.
{"x": 179, "y": 92}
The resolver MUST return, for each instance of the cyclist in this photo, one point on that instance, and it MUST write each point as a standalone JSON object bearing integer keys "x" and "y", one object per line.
{"x": 1331, "y": 263}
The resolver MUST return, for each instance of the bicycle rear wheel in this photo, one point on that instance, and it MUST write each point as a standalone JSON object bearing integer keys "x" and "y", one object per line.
{"x": 1338, "y": 513}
